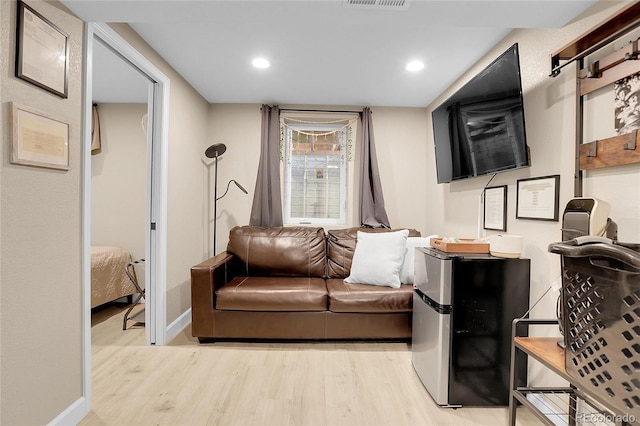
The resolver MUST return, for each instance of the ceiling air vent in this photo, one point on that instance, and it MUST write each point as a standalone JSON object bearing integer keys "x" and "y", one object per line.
{"x": 378, "y": 4}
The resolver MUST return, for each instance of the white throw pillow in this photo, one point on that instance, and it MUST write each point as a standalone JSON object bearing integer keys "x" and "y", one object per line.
{"x": 408, "y": 266}
{"x": 378, "y": 258}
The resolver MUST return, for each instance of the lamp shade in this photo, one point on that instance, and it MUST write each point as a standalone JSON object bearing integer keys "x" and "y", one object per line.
{"x": 215, "y": 150}
{"x": 239, "y": 186}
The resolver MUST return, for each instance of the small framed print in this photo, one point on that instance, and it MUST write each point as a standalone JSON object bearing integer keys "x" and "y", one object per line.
{"x": 42, "y": 52}
{"x": 495, "y": 208}
{"x": 39, "y": 139}
{"x": 538, "y": 198}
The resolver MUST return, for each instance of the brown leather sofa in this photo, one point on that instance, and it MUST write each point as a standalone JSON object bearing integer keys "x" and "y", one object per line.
{"x": 287, "y": 283}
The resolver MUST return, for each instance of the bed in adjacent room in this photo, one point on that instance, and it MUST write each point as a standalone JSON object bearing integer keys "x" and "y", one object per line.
{"x": 109, "y": 280}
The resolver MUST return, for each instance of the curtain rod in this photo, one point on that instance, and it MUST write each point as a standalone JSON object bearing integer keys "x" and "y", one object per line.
{"x": 320, "y": 110}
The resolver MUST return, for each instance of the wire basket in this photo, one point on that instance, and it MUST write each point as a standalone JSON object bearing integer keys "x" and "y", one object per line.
{"x": 601, "y": 322}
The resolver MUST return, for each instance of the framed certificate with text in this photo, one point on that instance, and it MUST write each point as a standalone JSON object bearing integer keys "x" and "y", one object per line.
{"x": 39, "y": 139}
{"x": 495, "y": 208}
{"x": 42, "y": 52}
{"x": 538, "y": 198}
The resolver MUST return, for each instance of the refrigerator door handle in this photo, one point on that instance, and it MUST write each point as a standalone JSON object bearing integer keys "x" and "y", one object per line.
{"x": 441, "y": 309}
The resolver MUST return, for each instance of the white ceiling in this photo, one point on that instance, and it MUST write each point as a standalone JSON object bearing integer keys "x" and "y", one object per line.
{"x": 321, "y": 52}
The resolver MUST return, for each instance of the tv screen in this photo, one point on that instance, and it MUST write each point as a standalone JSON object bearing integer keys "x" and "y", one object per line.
{"x": 480, "y": 129}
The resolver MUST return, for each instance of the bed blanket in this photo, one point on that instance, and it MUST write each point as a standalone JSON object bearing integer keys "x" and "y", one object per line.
{"x": 109, "y": 281}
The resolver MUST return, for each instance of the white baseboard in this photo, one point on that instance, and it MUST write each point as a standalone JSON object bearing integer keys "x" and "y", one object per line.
{"x": 178, "y": 325}
{"x": 73, "y": 414}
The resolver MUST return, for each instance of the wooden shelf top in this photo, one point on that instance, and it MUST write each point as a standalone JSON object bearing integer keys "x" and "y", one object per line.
{"x": 624, "y": 18}
{"x": 545, "y": 350}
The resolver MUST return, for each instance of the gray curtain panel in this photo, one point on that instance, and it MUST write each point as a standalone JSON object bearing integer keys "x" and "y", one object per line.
{"x": 267, "y": 199}
{"x": 372, "y": 211}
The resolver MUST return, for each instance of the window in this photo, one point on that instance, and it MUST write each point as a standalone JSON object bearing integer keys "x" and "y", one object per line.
{"x": 316, "y": 157}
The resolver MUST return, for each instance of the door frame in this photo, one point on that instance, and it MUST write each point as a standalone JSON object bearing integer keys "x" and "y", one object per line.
{"x": 156, "y": 212}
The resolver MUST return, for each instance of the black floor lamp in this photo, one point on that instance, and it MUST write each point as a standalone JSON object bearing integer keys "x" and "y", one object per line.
{"x": 215, "y": 151}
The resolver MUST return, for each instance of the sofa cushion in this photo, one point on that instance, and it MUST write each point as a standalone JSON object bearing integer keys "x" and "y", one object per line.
{"x": 378, "y": 257}
{"x": 408, "y": 265}
{"x": 344, "y": 297}
{"x": 341, "y": 244}
{"x": 273, "y": 294}
{"x": 279, "y": 251}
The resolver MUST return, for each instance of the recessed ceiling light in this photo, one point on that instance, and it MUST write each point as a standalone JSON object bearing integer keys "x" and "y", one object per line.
{"x": 414, "y": 66}
{"x": 260, "y": 63}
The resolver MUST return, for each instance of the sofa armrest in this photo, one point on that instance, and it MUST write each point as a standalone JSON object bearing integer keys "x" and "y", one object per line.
{"x": 206, "y": 277}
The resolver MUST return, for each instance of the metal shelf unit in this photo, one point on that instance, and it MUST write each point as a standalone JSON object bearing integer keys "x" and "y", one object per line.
{"x": 553, "y": 406}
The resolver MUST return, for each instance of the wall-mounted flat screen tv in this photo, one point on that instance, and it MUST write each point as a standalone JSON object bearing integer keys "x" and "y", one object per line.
{"x": 480, "y": 129}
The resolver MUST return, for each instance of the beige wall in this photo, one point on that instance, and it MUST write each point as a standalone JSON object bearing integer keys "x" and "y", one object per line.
{"x": 119, "y": 181}
{"x": 3, "y": 65}
{"x": 238, "y": 127}
{"x": 404, "y": 142}
{"x": 400, "y": 136}
{"x": 401, "y": 146}
{"x": 40, "y": 223}
{"x": 40, "y": 249}
{"x": 188, "y": 113}
{"x": 618, "y": 185}
{"x": 550, "y": 125}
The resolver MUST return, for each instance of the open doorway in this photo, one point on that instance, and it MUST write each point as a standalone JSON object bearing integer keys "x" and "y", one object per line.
{"x": 119, "y": 184}
{"x": 155, "y": 206}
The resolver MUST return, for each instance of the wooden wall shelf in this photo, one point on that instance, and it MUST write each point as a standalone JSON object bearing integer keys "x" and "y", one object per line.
{"x": 626, "y": 19}
{"x": 610, "y": 69}
{"x": 615, "y": 151}
{"x": 602, "y": 72}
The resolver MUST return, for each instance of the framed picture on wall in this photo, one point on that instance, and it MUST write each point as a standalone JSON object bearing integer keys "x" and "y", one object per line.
{"x": 538, "y": 198}
{"x": 495, "y": 208}
{"x": 42, "y": 52}
{"x": 627, "y": 104}
{"x": 39, "y": 139}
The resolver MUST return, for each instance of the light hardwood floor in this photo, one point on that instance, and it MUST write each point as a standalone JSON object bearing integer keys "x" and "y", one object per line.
{"x": 184, "y": 383}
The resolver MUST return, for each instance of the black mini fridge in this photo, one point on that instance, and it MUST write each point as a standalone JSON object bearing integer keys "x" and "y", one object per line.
{"x": 463, "y": 308}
